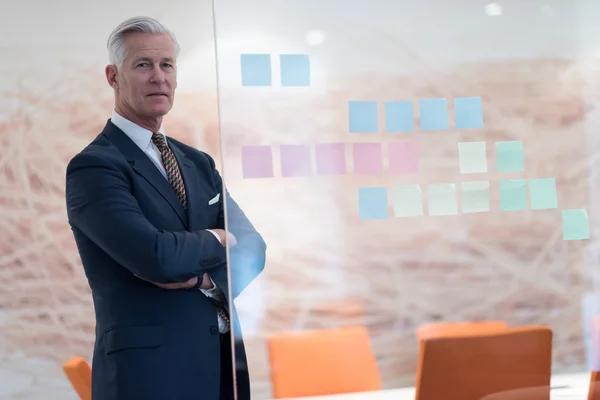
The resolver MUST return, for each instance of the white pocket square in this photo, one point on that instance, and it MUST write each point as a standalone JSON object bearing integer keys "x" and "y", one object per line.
{"x": 214, "y": 199}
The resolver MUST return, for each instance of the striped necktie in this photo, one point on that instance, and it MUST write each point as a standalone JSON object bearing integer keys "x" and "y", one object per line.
{"x": 171, "y": 166}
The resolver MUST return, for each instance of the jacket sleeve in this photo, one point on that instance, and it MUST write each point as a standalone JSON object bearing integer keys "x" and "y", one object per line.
{"x": 101, "y": 205}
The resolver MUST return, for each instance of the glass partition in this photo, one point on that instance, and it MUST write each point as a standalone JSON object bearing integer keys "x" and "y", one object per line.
{"x": 408, "y": 163}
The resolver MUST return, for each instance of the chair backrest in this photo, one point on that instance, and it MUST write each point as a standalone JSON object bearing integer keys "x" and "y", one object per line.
{"x": 440, "y": 329}
{"x": 79, "y": 372}
{"x": 594, "y": 391}
{"x": 471, "y": 366}
{"x": 322, "y": 362}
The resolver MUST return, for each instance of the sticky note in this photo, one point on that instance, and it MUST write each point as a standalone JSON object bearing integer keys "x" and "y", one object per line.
{"x": 399, "y": 116}
{"x": 590, "y": 307}
{"x": 442, "y": 199}
{"x": 257, "y": 162}
{"x": 509, "y": 156}
{"x": 256, "y": 69}
{"x": 295, "y": 160}
{"x": 295, "y": 69}
{"x": 472, "y": 157}
{"x": 475, "y": 197}
{"x": 331, "y": 158}
{"x": 367, "y": 158}
{"x": 403, "y": 158}
{"x": 433, "y": 114}
{"x": 408, "y": 201}
{"x": 363, "y": 116}
{"x": 372, "y": 203}
{"x": 543, "y": 194}
{"x": 468, "y": 113}
{"x": 513, "y": 195}
{"x": 576, "y": 225}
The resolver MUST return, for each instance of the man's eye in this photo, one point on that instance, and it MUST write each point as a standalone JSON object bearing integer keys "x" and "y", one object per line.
{"x": 142, "y": 64}
{"x": 168, "y": 65}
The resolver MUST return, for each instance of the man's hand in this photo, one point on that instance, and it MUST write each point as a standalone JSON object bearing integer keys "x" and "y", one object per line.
{"x": 225, "y": 237}
{"x": 206, "y": 282}
{"x": 179, "y": 285}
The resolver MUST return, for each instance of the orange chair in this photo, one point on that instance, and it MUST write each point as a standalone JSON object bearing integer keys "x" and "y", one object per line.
{"x": 79, "y": 372}
{"x": 440, "y": 329}
{"x": 594, "y": 391}
{"x": 471, "y": 366}
{"x": 322, "y": 362}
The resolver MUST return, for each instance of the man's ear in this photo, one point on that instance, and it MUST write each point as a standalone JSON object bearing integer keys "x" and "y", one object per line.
{"x": 111, "y": 76}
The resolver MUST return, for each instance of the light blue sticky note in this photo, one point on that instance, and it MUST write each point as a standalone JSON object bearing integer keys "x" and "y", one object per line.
{"x": 295, "y": 70}
{"x": 256, "y": 69}
{"x": 472, "y": 157}
{"x": 475, "y": 197}
{"x": 543, "y": 194}
{"x": 509, "y": 156}
{"x": 363, "y": 116}
{"x": 372, "y": 203}
{"x": 468, "y": 113}
{"x": 576, "y": 225}
{"x": 442, "y": 199}
{"x": 399, "y": 116}
{"x": 433, "y": 114}
{"x": 513, "y": 195}
{"x": 408, "y": 201}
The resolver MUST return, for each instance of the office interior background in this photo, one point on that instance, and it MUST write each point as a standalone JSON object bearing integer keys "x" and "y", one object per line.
{"x": 336, "y": 256}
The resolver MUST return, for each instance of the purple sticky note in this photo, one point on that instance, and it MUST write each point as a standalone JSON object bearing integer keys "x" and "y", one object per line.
{"x": 403, "y": 158}
{"x": 257, "y": 162}
{"x": 331, "y": 158}
{"x": 367, "y": 158}
{"x": 295, "y": 160}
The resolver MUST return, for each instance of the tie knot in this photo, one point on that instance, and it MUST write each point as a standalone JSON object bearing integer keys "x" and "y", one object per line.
{"x": 159, "y": 140}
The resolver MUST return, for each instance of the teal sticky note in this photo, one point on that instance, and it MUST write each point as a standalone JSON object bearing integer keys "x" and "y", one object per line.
{"x": 475, "y": 197}
{"x": 442, "y": 199}
{"x": 399, "y": 116}
{"x": 363, "y": 116}
{"x": 472, "y": 157}
{"x": 509, "y": 156}
{"x": 468, "y": 113}
{"x": 543, "y": 194}
{"x": 576, "y": 225}
{"x": 256, "y": 69}
{"x": 372, "y": 203}
{"x": 408, "y": 201}
{"x": 513, "y": 195}
{"x": 433, "y": 114}
{"x": 295, "y": 69}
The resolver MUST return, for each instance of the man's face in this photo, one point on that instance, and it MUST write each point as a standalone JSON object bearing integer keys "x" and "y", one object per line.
{"x": 146, "y": 82}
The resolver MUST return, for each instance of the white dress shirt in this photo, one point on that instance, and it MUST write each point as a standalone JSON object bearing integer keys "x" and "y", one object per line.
{"x": 142, "y": 137}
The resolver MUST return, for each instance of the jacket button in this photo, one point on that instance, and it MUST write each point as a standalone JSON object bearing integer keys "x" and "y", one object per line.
{"x": 214, "y": 330}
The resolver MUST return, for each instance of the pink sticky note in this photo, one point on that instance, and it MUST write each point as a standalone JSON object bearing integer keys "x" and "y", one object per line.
{"x": 367, "y": 158}
{"x": 295, "y": 160}
{"x": 331, "y": 158}
{"x": 257, "y": 162}
{"x": 403, "y": 158}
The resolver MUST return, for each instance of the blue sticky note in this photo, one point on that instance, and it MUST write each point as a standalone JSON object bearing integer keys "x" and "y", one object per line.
{"x": 372, "y": 203}
{"x": 433, "y": 114}
{"x": 509, "y": 156}
{"x": 363, "y": 116}
{"x": 513, "y": 195}
{"x": 399, "y": 116}
{"x": 468, "y": 113}
{"x": 543, "y": 194}
{"x": 576, "y": 225}
{"x": 295, "y": 70}
{"x": 256, "y": 69}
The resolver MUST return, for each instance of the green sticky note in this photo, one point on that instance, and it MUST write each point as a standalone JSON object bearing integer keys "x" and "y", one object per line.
{"x": 576, "y": 225}
{"x": 442, "y": 199}
{"x": 408, "y": 201}
{"x": 543, "y": 194}
{"x": 472, "y": 157}
{"x": 475, "y": 197}
{"x": 509, "y": 156}
{"x": 513, "y": 195}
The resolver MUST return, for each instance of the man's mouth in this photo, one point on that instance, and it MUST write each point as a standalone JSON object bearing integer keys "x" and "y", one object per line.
{"x": 157, "y": 94}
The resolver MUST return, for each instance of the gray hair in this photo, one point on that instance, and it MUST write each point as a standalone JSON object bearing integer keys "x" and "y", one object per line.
{"x": 117, "y": 53}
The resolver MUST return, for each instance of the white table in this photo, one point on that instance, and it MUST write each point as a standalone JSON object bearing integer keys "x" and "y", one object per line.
{"x": 564, "y": 387}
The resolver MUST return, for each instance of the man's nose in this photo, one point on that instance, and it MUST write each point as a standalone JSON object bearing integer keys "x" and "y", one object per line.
{"x": 158, "y": 75}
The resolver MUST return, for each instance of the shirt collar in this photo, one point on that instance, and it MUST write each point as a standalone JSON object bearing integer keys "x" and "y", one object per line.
{"x": 140, "y": 136}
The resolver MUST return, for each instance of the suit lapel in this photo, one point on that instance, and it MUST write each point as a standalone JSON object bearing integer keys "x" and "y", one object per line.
{"x": 191, "y": 181}
{"x": 144, "y": 167}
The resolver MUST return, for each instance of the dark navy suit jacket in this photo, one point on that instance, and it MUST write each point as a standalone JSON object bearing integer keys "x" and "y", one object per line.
{"x": 154, "y": 343}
